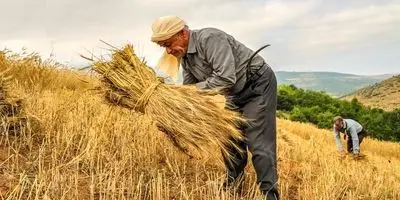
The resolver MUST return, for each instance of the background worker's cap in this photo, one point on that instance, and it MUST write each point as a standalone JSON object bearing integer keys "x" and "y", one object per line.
{"x": 165, "y": 27}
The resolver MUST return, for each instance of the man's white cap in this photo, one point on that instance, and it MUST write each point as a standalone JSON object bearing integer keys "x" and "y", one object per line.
{"x": 164, "y": 28}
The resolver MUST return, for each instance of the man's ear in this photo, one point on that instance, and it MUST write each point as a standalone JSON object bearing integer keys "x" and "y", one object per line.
{"x": 185, "y": 33}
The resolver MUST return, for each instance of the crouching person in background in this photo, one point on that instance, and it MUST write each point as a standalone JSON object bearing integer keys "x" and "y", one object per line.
{"x": 353, "y": 130}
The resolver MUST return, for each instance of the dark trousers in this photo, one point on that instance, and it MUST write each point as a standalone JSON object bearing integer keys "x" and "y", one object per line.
{"x": 258, "y": 103}
{"x": 361, "y": 136}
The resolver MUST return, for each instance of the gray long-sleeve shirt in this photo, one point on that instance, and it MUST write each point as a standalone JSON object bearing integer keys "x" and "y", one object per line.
{"x": 352, "y": 128}
{"x": 214, "y": 59}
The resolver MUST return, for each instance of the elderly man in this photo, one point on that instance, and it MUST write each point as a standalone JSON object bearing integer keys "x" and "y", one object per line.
{"x": 353, "y": 130}
{"x": 211, "y": 58}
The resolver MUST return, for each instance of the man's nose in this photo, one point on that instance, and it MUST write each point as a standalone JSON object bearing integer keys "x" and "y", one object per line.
{"x": 169, "y": 50}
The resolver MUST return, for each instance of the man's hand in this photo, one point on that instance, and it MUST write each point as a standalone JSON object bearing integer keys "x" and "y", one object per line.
{"x": 213, "y": 94}
{"x": 355, "y": 154}
{"x": 219, "y": 100}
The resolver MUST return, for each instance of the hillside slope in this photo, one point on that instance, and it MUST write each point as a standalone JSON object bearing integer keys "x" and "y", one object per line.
{"x": 333, "y": 83}
{"x": 75, "y": 146}
{"x": 385, "y": 95}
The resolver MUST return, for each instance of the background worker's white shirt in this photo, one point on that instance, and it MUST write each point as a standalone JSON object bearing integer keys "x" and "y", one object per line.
{"x": 352, "y": 128}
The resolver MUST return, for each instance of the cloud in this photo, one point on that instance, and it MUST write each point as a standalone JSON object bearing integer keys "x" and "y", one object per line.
{"x": 305, "y": 35}
{"x": 352, "y": 27}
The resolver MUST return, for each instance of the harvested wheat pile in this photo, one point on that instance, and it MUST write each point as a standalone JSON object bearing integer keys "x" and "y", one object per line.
{"x": 192, "y": 120}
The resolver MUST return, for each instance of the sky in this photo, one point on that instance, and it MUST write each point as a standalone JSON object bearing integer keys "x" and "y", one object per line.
{"x": 349, "y": 36}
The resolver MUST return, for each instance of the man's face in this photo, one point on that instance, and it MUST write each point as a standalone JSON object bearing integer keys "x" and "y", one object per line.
{"x": 176, "y": 45}
{"x": 339, "y": 124}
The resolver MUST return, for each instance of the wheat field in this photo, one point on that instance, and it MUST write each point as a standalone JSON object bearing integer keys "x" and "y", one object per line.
{"x": 73, "y": 145}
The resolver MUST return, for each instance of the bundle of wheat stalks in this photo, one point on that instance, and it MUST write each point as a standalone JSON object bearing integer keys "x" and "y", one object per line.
{"x": 186, "y": 114}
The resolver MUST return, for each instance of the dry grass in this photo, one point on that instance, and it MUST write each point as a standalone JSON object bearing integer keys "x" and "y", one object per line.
{"x": 77, "y": 147}
{"x": 311, "y": 166}
{"x": 34, "y": 75}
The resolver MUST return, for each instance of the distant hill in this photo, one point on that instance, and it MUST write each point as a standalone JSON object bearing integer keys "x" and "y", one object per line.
{"x": 333, "y": 83}
{"x": 385, "y": 95}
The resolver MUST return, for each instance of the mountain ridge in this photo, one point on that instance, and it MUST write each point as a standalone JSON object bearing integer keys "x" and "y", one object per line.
{"x": 385, "y": 94}
{"x": 333, "y": 83}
